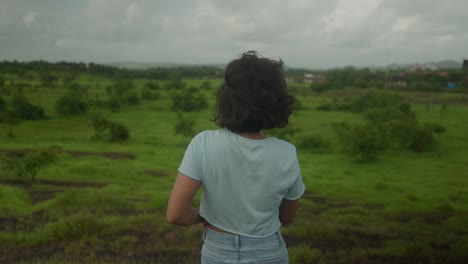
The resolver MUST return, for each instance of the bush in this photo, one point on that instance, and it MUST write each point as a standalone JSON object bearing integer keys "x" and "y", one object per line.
{"x": 315, "y": 142}
{"x": 118, "y": 132}
{"x": 424, "y": 141}
{"x": 27, "y": 167}
{"x": 436, "y": 128}
{"x": 187, "y": 100}
{"x": 100, "y": 125}
{"x": 206, "y": 85}
{"x": 373, "y": 100}
{"x": 131, "y": 98}
{"x": 76, "y": 87}
{"x": 71, "y": 104}
{"x": 298, "y": 105}
{"x": 25, "y": 110}
{"x": 360, "y": 142}
{"x": 108, "y": 130}
{"x": 28, "y": 111}
{"x": 114, "y": 104}
{"x": 325, "y": 106}
{"x": 287, "y": 133}
{"x": 146, "y": 94}
{"x": 152, "y": 85}
{"x": 184, "y": 126}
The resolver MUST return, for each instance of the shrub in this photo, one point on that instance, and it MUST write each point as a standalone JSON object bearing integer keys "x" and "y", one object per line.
{"x": 298, "y": 105}
{"x": 436, "y": 128}
{"x": 152, "y": 85}
{"x": 99, "y": 124}
{"x": 71, "y": 104}
{"x": 131, "y": 98}
{"x": 360, "y": 142}
{"x": 286, "y": 133}
{"x": 400, "y": 134}
{"x": 25, "y": 110}
{"x": 424, "y": 141}
{"x": 28, "y": 111}
{"x": 114, "y": 104}
{"x": 187, "y": 100}
{"x": 315, "y": 142}
{"x": 118, "y": 132}
{"x": 206, "y": 85}
{"x": 145, "y": 94}
{"x": 325, "y": 106}
{"x": 27, "y": 167}
{"x": 184, "y": 126}
{"x": 108, "y": 130}
{"x": 379, "y": 100}
{"x": 75, "y": 87}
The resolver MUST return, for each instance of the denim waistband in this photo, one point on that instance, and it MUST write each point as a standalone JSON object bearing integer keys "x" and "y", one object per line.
{"x": 233, "y": 239}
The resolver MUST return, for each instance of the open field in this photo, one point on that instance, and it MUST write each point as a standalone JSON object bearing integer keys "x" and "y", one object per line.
{"x": 105, "y": 202}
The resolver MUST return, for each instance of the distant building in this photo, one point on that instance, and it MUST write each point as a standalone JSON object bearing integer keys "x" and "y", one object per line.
{"x": 431, "y": 67}
{"x": 465, "y": 66}
{"x": 415, "y": 68}
{"x": 397, "y": 81}
{"x": 442, "y": 74}
{"x": 313, "y": 78}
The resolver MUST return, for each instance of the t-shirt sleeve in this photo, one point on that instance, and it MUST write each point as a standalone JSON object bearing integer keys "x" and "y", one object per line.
{"x": 297, "y": 188}
{"x": 189, "y": 165}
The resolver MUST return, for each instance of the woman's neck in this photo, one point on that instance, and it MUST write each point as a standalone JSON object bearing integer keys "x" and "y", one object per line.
{"x": 251, "y": 135}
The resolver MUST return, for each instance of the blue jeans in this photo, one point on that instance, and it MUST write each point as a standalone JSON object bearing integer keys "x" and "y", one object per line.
{"x": 226, "y": 248}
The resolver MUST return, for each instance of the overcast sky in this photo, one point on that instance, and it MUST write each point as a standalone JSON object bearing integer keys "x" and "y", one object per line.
{"x": 304, "y": 33}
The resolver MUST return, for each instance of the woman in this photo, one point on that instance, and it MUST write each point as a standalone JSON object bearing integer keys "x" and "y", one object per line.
{"x": 251, "y": 183}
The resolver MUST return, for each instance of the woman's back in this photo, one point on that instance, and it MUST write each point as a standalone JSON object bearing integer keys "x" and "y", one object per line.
{"x": 244, "y": 180}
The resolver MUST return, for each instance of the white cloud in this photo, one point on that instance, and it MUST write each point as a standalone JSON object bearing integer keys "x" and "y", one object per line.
{"x": 403, "y": 24}
{"x": 29, "y": 18}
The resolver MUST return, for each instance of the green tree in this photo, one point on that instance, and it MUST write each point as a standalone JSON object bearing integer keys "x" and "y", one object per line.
{"x": 108, "y": 130}
{"x": 361, "y": 143}
{"x": 11, "y": 120}
{"x": 188, "y": 99}
{"x": 152, "y": 85}
{"x": 72, "y": 103}
{"x": 118, "y": 132}
{"x": 100, "y": 124}
{"x": 23, "y": 109}
{"x": 48, "y": 79}
{"x": 184, "y": 126}
{"x": 27, "y": 167}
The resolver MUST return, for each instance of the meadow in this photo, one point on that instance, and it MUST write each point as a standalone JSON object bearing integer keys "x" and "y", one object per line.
{"x": 104, "y": 202}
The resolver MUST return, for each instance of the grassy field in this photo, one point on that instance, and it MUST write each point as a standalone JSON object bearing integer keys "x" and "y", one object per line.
{"x": 104, "y": 202}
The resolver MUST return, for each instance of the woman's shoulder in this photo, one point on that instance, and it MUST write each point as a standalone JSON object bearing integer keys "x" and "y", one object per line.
{"x": 207, "y": 135}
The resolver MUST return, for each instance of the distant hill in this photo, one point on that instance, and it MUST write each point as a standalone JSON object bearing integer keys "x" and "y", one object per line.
{"x": 448, "y": 64}
{"x": 439, "y": 65}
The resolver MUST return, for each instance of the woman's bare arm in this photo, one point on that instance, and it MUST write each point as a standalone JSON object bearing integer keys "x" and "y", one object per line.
{"x": 179, "y": 208}
{"x": 287, "y": 211}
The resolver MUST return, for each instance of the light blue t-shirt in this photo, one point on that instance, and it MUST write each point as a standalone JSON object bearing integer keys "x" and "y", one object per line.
{"x": 243, "y": 180}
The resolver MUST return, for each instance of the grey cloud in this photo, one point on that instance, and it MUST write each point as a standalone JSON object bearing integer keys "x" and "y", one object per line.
{"x": 304, "y": 33}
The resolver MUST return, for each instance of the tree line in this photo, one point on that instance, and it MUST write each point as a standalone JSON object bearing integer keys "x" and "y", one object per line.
{"x": 61, "y": 68}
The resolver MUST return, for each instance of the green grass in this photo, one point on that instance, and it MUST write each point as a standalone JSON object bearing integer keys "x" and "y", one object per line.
{"x": 404, "y": 207}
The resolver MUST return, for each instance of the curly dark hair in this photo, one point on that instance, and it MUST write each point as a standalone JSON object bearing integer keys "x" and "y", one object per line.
{"x": 254, "y": 95}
